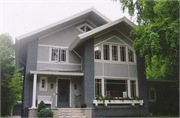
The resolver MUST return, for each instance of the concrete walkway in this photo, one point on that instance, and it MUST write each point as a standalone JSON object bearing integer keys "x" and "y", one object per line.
{"x": 13, "y": 117}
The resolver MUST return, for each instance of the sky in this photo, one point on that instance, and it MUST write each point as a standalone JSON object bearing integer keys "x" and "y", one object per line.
{"x": 23, "y": 16}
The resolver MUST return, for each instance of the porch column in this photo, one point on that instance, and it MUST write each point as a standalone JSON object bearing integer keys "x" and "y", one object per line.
{"x": 129, "y": 88}
{"x": 34, "y": 91}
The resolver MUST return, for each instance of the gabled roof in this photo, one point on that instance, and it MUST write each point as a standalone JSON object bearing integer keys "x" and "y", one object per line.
{"x": 83, "y": 37}
{"x": 21, "y": 41}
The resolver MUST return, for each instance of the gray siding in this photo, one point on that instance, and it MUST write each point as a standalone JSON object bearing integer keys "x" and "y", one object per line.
{"x": 98, "y": 69}
{"x": 64, "y": 37}
{"x": 110, "y": 34}
{"x": 73, "y": 58}
{"x": 60, "y": 67}
{"x": 116, "y": 70}
{"x": 132, "y": 70}
{"x": 43, "y": 53}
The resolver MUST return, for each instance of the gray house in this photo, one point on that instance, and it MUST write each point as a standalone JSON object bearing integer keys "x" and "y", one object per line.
{"x": 68, "y": 63}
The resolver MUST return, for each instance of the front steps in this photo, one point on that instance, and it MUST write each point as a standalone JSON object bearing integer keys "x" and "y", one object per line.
{"x": 71, "y": 113}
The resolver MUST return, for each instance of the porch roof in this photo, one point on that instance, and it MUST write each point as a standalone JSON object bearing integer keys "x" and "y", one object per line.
{"x": 56, "y": 73}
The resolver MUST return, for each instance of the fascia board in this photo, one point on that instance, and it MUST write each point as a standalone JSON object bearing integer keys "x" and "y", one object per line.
{"x": 130, "y": 23}
{"x": 96, "y": 30}
{"x": 62, "y": 21}
{"x": 57, "y": 73}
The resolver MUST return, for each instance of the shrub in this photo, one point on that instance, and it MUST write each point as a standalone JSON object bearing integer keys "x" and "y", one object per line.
{"x": 41, "y": 106}
{"x": 45, "y": 113}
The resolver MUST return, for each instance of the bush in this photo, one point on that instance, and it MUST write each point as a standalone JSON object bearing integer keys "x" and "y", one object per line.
{"x": 45, "y": 113}
{"x": 41, "y": 106}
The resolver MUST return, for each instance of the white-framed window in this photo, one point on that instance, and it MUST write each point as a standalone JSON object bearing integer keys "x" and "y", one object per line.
{"x": 59, "y": 54}
{"x": 152, "y": 92}
{"x": 130, "y": 55}
{"x": 116, "y": 87}
{"x": 106, "y": 52}
{"x": 114, "y": 52}
{"x": 43, "y": 83}
{"x": 85, "y": 27}
{"x": 97, "y": 52}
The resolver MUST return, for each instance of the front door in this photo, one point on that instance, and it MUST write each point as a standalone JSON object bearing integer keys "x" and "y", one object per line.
{"x": 63, "y": 93}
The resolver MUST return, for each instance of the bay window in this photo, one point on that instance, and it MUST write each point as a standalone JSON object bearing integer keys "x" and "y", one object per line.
{"x": 116, "y": 88}
{"x": 58, "y": 54}
{"x": 106, "y": 52}
{"x": 115, "y": 53}
{"x": 131, "y": 55}
{"x": 97, "y": 50}
{"x": 123, "y": 53}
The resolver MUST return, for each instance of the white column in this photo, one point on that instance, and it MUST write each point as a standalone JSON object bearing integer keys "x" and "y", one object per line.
{"x": 129, "y": 88}
{"x": 34, "y": 91}
{"x": 102, "y": 82}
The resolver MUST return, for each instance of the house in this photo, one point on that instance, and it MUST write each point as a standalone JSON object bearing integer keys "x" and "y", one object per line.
{"x": 66, "y": 64}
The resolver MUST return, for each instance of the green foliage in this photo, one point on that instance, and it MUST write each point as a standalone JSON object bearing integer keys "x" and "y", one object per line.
{"x": 45, "y": 113}
{"x": 11, "y": 80}
{"x": 41, "y": 106}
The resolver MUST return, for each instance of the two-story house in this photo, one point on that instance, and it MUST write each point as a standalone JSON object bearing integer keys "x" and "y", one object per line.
{"x": 68, "y": 63}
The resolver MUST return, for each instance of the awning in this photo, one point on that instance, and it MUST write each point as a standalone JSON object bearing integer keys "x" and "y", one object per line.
{"x": 57, "y": 73}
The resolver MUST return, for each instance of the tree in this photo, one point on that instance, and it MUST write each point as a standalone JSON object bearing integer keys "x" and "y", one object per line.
{"x": 11, "y": 80}
{"x": 157, "y": 36}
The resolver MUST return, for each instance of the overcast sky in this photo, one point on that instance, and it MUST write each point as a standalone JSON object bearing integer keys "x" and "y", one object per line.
{"x": 19, "y": 17}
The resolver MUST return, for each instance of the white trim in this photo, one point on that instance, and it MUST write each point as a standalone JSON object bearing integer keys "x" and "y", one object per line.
{"x": 137, "y": 88}
{"x": 45, "y": 84}
{"x": 51, "y": 46}
{"x": 69, "y": 90}
{"x": 116, "y": 78}
{"x": 114, "y": 62}
{"x": 57, "y": 73}
{"x": 140, "y": 102}
{"x": 91, "y": 23}
{"x": 85, "y": 24}
{"x": 102, "y": 82}
{"x": 53, "y": 62}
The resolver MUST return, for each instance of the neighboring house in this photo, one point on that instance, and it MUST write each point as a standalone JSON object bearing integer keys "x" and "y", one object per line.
{"x": 84, "y": 55}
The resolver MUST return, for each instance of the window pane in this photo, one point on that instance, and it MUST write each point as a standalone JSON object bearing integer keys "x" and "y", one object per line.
{"x": 106, "y": 52}
{"x": 98, "y": 87}
{"x": 116, "y": 87}
{"x": 123, "y": 53}
{"x": 131, "y": 55}
{"x": 97, "y": 50}
{"x": 43, "y": 83}
{"x": 152, "y": 92}
{"x": 114, "y": 53}
{"x": 54, "y": 56}
{"x": 133, "y": 88}
{"x": 63, "y": 55}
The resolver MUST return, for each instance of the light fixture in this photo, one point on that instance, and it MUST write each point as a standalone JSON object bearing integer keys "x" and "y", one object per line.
{"x": 52, "y": 85}
{"x": 75, "y": 86}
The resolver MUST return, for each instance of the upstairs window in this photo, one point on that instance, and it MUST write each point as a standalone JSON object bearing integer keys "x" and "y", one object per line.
{"x": 131, "y": 55}
{"x": 123, "y": 53}
{"x": 58, "y": 54}
{"x": 85, "y": 28}
{"x": 97, "y": 51}
{"x": 115, "y": 53}
{"x": 106, "y": 52}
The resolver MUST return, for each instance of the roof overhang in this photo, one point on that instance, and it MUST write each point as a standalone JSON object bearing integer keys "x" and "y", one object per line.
{"x": 57, "y": 73}
{"x": 22, "y": 41}
{"x": 83, "y": 37}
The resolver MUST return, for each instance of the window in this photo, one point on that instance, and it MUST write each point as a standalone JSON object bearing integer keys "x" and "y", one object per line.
{"x": 58, "y": 54}
{"x": 98, "y": 87}
{"x": 97, "y": 50}
{"x": 152, "y": 92}
{"x": 43, "y": 84}
{"x": 115, "y": 53}
{"x": 116, "y": 87}
{"x": 131, "y": 55}
{"x": 106, "y": 52}
{"x": 133, "y": 88}
{"x": 123, "y": 53}
{"x": 85, "y": 28}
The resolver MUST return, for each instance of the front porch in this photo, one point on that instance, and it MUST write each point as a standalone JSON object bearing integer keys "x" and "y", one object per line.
{"x": 57, "y": 89}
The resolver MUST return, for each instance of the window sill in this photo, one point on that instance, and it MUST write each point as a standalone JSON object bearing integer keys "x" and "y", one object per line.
{"x": 140, "y": 102}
